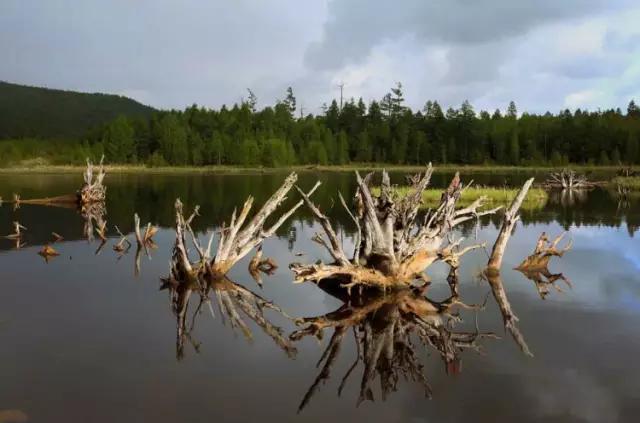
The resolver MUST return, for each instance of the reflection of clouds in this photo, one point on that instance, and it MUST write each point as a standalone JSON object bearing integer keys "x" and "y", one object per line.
{"x": 576, "y": 395}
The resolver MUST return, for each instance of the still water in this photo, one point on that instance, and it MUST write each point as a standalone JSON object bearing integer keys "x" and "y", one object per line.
{"x": 85, "y": 337}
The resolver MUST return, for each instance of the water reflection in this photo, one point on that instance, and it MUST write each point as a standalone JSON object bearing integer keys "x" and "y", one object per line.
{"x": 236, "y": 304}
{"x": 397, "y": 330}
{"x": 388, "y": 329}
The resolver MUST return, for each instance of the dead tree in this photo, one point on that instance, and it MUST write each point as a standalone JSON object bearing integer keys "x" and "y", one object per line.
{"x": 492, "y": 273}
{"x": 236, "y": 240}
{"x": 393, "y": 246}
{"x": 144, "y": 240}
{"x": 93, "y": 190}
{"x": 544, "y": 250}
{"x": 567, "y": 179}
{"x": 385, "y": 327}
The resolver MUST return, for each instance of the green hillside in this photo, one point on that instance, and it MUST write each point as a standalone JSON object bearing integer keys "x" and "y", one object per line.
{"x": 46, "y": 113}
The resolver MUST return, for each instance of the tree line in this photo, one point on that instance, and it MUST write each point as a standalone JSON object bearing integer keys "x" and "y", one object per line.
{"x": 383, "y": 131}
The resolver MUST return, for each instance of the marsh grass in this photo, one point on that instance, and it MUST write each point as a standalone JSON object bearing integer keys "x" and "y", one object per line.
{"x": 630, "y": 182}
{"x": 536, "y": 198}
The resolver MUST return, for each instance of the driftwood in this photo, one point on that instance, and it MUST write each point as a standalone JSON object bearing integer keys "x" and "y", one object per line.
{"x": 144, "y": 240}
{"x": 236, "y": 240}
{"x": 93, "y": 190}
{"x": 568, "y": 179}
{"x": 392, "y": 246}
{"x": 492, "y": 273}
{"x": 236, "y": 303}
{"x": 544, "y": 250}
{"x": 383, "y": 325}
{"x": 258, "y": 265}
{"x": 48, "y": 252}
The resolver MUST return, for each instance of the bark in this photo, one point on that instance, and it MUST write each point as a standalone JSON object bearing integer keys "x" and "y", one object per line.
{"x": 492, "y": 273}
{"x": 93, "y": 189}
{"x": 544, "y": 250}
{"x": 392, "y": 246}
{"x": 236, "y": 240}
{"x": 509, "y": 221}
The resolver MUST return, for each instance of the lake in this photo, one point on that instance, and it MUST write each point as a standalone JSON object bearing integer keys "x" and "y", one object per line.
{"x": 86, "y": 337}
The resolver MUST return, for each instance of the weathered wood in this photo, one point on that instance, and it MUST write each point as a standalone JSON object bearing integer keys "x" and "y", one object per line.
{"x": 544, "y": 250}
{"x": 509, "y": 221}
{"x": 392, "y": 247}
{"x": 568, "y": 179}
{"x": 236, "y": 240}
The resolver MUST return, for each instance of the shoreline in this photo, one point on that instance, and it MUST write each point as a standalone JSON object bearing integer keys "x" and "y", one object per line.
{"x": 142, "y": 169}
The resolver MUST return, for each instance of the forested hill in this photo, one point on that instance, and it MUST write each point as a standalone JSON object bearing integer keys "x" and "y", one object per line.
{"x": 31, "y": 112}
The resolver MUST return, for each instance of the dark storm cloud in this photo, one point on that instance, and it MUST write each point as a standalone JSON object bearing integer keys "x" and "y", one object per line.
{"x": 169, "y": 53}
{"x": 355, "y": 27}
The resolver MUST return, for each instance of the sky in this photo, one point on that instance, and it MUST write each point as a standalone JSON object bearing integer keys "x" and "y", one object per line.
{"x": 546, "y": 55}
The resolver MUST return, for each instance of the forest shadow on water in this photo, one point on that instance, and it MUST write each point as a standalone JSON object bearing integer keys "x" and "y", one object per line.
{"x": 105, "y": 331}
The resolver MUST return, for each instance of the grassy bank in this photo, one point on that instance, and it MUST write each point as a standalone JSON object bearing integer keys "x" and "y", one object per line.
{"x": 127, "y": 168}
{"x": 536, "y": 198}
{"x": 630, "y": 182}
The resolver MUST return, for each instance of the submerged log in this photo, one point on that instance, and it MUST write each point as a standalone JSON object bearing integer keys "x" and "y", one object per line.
{"x": 382, "y": 326}
{"x": 392, "y": 246}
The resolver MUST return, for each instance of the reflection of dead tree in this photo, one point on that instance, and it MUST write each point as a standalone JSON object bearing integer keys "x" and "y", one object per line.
{"x": 258, "y": 265}
{"x": 544, "y": 280}
{"x": 17, "y": 235}
{"x": 383, "y": 326}
{"x": 235, "y": 302}
{"x": 93, "y": 214}
{"x": 17, "y": 231}
{"x": 492, "y": 273}
{"x": 122, "y": 246}
{"x": 392, "y": 246}
{"x": 568, "y": 197}
{"x": 567, "y": 179}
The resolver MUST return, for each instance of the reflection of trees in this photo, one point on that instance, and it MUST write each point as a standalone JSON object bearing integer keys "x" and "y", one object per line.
{"x": 235, "y": 303}
{"x": 388, "y": 328}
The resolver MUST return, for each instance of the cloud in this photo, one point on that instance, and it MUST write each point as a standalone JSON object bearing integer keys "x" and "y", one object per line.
{"x": 545, "y": 55}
